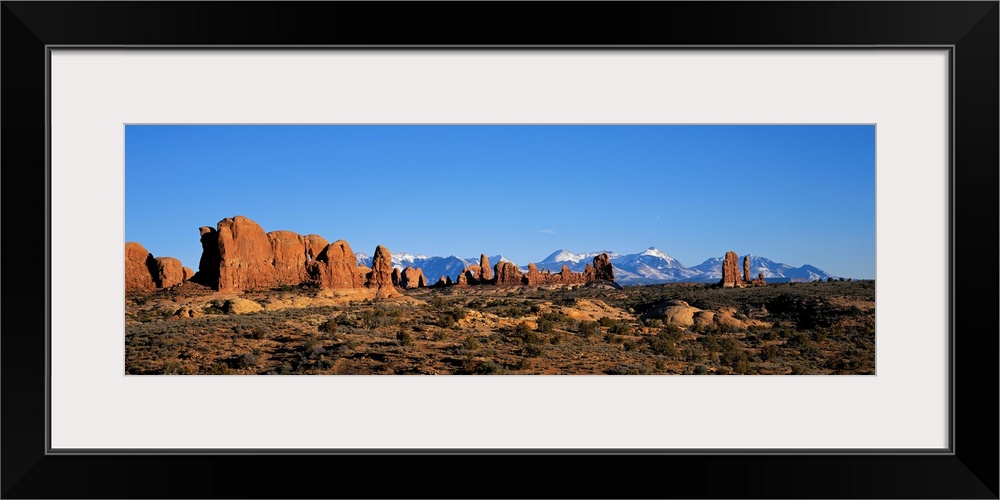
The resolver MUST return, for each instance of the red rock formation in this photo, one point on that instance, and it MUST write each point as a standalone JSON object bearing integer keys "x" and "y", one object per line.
{"x": 532, "y": 277}
{"x": 208, "y": 266}
{"x": 603, "y": 270}
{"x": 397, "y": 276}
{"x": 245, "y": 257}
{"x": 507, "y": 274}
{"x": 463, "y": 280}
{"x": 413, "y": 278}
{"x": 473, "y": 274}
{"x": 444, "y": 281}
{"x": 140, "y": 267}
{"x": 746, "y": 269}
{"x": 314, "y": 244}
{"x": 568, "y": 277}
{"x": 730, "y": 272}
{"x": 760, "y": 281}
{"x": 288, "y": 256}
{"x": 169, "y": 272}
{"x": 144, "y": 273}
{"x": 380, "y": 277}
{"x": 484, "y": 268}
{"x": 188, "y": 273}
{"x": 336, "y": 267}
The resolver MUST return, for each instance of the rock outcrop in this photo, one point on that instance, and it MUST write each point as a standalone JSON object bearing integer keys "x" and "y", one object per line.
{"x": 601, "y": 271}
{"x": 413, "y": 278}
{"x": 336, "y": 267}
{"x": 208, "y": 266}
{"x": 730, "y": 271}
{"x": 731, "y": 277}
{"x": 397, "y": 276}
{"x": 288, "y": 256}
{"x": 145, "y": 273}
{"x": 188, "y": 273}
{"x": 238, "y": 256}
{"x": 444, "y": 281}
{"x": 507, "y": 274}
{"x": 314, "y": 244}
{"x": 169, "y": 272}
{"x": 140, "y": 267}
{"x": 484, "y": 269}
{"x": 380, "y": 277}
{"x": 246, "y": 261}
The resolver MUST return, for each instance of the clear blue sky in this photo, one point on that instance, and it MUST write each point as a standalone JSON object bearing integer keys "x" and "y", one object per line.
{"x": 794, "y": 194}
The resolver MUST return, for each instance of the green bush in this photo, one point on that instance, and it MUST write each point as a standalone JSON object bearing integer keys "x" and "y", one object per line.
{"x": 403, "y": 338}
{"x": 248, "y": 360}
{"x": 662, "y": 344}
{"x": 470, "y": 343}
{"x": 587, "y": 329}
{"x": 545, "y": 325}
{"x": 328, "y": 326}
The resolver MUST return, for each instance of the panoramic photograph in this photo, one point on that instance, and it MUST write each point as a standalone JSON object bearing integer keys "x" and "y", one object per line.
{"x": 499, "y": 250}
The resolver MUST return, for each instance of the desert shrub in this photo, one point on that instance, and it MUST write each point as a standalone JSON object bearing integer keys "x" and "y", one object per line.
{"x": 285, "y": 369}
{"x": 248, "y": 360}
{"x": 606, "y": 321}
{"x": 661, "y": 344}
{"x": 325, "y": 364}
{"x": 691, "y": 354}
{"x": 620, "y": 328}
{"x": 440, "y": 335}
{"x": 445, "y": 320}
{"x": 522, "y": 330}
{"x": 347, "y": 319}
{"x": 531, "y": 337}
{"x": 533, "y": 350}
{"x": 819, "y": 335}
{"x": 797, "y": 340}
{"x": 489, "y": 367}
{"x": 470, "y": 343}
{"x": 628, "y": 369}
{"x": 588, "y": 328}
{"x": 768, "y": 353}
{"x": 218, "y": 369}
{"x": 379, "y": 317}
{"x": 403, "y": 337}
{"x": 173, "y": 367}
{"x": 328, "y": 326}
{"x": 709, "y": 343}
{"x": 700, "y": 370}
{"x": 630, "y": 345}
{"x": 545, "y": 325}
{"x": 740, "y": 363}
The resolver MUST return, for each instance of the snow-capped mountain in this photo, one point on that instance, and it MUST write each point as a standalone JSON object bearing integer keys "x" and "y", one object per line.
{"x": 711, "y": 270}
{"x": 575, "y": 261}
{"x": 650, "y": 266}
{"x": 433, "y": 267}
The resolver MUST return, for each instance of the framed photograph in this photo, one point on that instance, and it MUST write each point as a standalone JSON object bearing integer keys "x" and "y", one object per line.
{"x": 861, "y": 133}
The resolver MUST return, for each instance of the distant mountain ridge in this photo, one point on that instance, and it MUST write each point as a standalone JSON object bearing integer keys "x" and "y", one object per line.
{"x": 651, "y": 266}
{"x": 433, "y": 267}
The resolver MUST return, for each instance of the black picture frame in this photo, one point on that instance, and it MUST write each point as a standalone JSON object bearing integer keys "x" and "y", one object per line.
{"x": 969, "y": 28}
